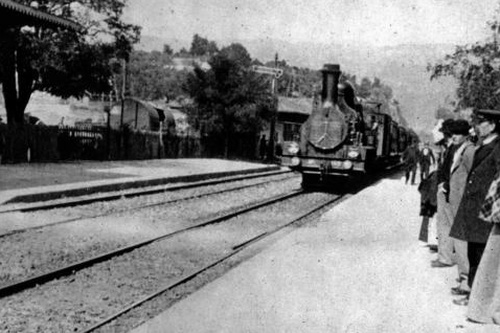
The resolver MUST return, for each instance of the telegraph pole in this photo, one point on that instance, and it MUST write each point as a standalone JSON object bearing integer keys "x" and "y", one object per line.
{"x": 124, "y": 93}
{"x": 272, "y": 127}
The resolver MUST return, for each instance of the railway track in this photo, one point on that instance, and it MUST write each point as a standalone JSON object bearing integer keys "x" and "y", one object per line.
{"x": 144, "y": 206}
{"x": 72, "y": 268}
{"x": 189, "y": 273}
{"x": 189, "y": 276}
{"x": 132, "y": 193}
{"x": 119, "y": 302}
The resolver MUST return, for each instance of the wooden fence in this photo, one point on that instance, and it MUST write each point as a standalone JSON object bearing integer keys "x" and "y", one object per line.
{"x": 51, "y": 143}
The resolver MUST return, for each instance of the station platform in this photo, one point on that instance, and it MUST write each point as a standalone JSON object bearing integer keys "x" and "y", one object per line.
{"x": 359, "y": 269}
{"x": 21, "y": 183}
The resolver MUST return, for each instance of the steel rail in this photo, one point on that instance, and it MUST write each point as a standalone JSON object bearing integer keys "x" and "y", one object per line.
{"x": 123, "y": 210}
{"x": 136, "y": 193}
{"x": 72, "y": 268}
{"x": 235, "y": 250}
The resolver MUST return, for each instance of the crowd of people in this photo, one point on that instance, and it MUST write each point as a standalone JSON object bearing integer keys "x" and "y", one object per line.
{"x": 463, "y": 197}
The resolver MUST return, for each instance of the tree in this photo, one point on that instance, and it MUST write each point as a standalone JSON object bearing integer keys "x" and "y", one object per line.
{"x": 199, "y": 46}
{"x": 212, "y": 48}
{"x": 380, "y": 92}
{"x": 365, "y": 87}
{"x": 151, "y": 76}
{"x": 64, "y": 63}
{"x": 182, "y": 53}
{"x": 477, "y": 69}
{"x": 228, "y": 95}
{"x": 167, "y": 50}
{"x": 202, "y": 47}
{"x": 296, "y": 81}
{"x": 444, "y": 113}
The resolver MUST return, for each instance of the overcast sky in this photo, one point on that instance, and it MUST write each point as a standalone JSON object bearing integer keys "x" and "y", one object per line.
{"x": 376, "y": 22}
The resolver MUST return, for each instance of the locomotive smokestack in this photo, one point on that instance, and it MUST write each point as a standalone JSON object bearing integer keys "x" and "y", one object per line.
{"x": 331, "y": 75}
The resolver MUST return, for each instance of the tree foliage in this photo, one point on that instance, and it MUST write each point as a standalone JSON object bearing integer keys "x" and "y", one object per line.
{"x": 151, "y": 76}
{"x": 64, "y": 63}
{"x": 377, "y": 91}
{"x": 444, "y": 113}
{"x": 298, "y": 81}
{"x": 228, "y": 96}
{"x": 202, "y": 46}
{"x": 477, "y": 69}
{"x": 371, "y": 90}
{"x": 167, "y": 50}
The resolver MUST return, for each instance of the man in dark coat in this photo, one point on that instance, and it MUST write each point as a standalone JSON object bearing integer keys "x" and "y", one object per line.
{"x": 410, "y": 160}
{"x": 446, "y": 159}
{"x": 467, "y": 225}
{"x": 428, "y": 203}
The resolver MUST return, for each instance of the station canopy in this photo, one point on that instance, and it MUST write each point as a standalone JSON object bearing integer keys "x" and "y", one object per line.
{"x": 13, "y": 14}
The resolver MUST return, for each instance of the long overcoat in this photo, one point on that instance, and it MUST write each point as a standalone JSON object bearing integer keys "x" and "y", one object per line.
{"x": 459, "y": 173}
{"x": 467, "y": 225}
{"x": 484, "y": 301}
{"x": 428, "y": 195}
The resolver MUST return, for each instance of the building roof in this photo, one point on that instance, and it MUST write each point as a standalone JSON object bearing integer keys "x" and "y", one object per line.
{"x": 154, "y": 110}
{"x": 300, "y": 105}
{"x": 15, "y": 14}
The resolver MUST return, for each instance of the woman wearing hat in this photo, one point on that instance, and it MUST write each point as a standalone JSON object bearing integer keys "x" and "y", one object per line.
{"x": 426, "y": 159}
{"x": 467, "y": 225}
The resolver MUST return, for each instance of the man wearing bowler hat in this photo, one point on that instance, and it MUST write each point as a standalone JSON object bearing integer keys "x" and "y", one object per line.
{"x": 460, "y": 168}
{"x": 444, "y": 217}
{"x": 467, "y": 225}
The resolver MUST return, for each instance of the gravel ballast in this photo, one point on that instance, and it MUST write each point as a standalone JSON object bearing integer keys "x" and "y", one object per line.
{"x": 92, "y": 294}
{"x": 39, "y": 251}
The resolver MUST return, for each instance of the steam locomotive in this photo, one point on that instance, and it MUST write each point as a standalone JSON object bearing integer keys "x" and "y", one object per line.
{"x": 343, "y": 137}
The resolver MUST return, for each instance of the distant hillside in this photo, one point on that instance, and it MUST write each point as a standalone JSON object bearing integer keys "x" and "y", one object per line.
{"x": 403, "y": 67}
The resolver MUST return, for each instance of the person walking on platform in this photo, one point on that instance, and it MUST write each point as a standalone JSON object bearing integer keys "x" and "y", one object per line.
{"x": 410, "y": 160}
{"x": 460, "y": 167}
{"x": 426, "y": 160}
{"x": 468, "y": 226}
{"x": 444, "y": 214}
{"x": 262, "y": 147}
{"x": 428, "y": 207}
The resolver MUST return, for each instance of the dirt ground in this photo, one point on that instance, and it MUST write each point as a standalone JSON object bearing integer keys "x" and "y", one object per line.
{"x": 16, "y": 176}
{"x": 20, "y": 176}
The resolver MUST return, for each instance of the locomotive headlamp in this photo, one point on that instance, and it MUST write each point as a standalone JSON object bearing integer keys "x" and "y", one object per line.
{"x": 295, "y": 161}
{"x": 347, "y": 165}
{"x": 353, "y": 153}
{"x": 336, "y": 164}
{"x": 293, "y": 148}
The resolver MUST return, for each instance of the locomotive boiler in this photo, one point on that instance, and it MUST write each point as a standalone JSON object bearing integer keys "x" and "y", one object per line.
{"x": 343, "y": 137}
